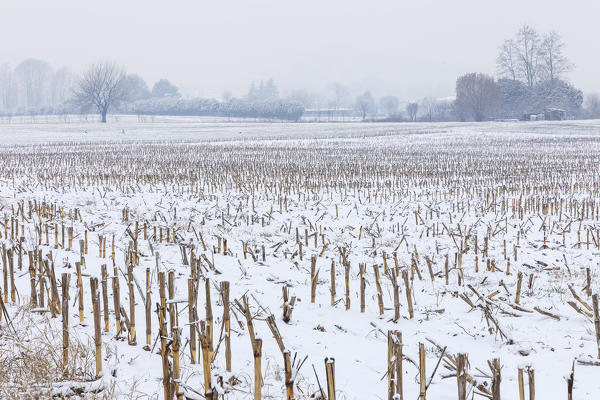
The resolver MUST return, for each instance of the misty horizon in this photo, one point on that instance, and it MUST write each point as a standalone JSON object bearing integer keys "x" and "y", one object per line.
{"x": 407, "y": 50}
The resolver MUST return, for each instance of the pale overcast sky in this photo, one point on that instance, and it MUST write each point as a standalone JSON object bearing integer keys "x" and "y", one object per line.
{"x": 408, "y": 48}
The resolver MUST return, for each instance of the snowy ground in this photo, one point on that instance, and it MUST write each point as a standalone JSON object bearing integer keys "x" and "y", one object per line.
{"x": 421, "y": 191}
{"x": 27, "y": 130}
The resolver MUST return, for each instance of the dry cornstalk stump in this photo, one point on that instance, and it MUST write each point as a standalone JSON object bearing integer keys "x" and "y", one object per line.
{"x": 206, "y": 244}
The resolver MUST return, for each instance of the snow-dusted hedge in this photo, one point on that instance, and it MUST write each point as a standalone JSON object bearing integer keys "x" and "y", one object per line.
{"x": 210, "y": 107}
{"x": 235, "y": 108}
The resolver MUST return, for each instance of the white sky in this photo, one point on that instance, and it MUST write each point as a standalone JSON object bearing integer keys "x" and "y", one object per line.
{"x": 408, "y": 48}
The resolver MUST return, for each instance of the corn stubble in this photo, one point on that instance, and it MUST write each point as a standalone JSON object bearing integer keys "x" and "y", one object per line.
{"x": 395, "y": 230}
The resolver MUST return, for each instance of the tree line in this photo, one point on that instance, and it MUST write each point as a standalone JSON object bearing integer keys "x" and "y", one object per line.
{"x": 530, "y": 78}
{"x": 262, "y": 101}
{"x": 232, "y": 108}
{"x": 33, "y": 88}
{"x": 531, "y": 69}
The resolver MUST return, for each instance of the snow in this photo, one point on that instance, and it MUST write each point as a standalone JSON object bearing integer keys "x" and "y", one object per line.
{"x": 418, "y": 165}
{"x": 38, "y": 130}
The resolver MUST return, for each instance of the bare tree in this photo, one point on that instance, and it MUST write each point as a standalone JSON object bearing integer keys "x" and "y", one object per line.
{"x": 507, "y": 61}
{"x": 33, "y": 77}
{"x": 478, "y": 95}
{"x": 553, "y": 62}
{"x": 412, "y": 109}
{"x": 528, "y": 47}
{"x": 532, "y": 58}
{"x": 442, "y": 110}
{"x": 518, "y": 58}
{"x": 102, "y": 87}
{"x": 428, "y": 105}
{"x": 8, "y": 88}
{"x": 61, "y": 86}
{"x": 365, "y": 104}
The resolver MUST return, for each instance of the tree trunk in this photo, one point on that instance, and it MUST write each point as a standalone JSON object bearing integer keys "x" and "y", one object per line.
{"x": 103, "y": 112}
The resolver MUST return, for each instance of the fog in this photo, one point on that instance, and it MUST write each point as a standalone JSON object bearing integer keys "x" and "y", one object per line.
{"x": 407, "y": 49}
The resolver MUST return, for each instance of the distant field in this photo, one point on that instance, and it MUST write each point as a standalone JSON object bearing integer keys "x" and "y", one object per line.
{"x": 24, "y": 130}
{"x": 475, "y": 239}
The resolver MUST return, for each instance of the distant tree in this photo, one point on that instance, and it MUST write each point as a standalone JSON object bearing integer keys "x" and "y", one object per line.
{"x": 552, "y": 61}
{"x": 428, "y": 105}
{"x": 478, "y": 95}
{"x": 412, "y": 110}
{"x": 508, "y": 60}
{"x": 264, "y": 91}
{"x": 532, "y": 68}
{"x": 365, "y": 104}
{"x": 8, "y": 88}
{"x": 136, "y": 88}
{"x": 528, "y": 48}
{"x": 532, "y": 57}
{"x": 442, "y": 110}
{"x": 518, "y": 57}
{"x": 592, "y": 105}
{"x": 270, "y": 92}
{"x": 556, "y": 94}
{"x": 516, "y": 98}
{"x": 164, "y": 88}
{"x": 61, "y": 86}
{"x": 389, "y": 104}
{"x": 101, "y": 86}
{"x": 33, "y": 76}
{"x": 519, "y": 99}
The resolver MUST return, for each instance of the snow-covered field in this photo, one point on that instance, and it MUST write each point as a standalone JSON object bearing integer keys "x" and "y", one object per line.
{"x": 463, "y": 210}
